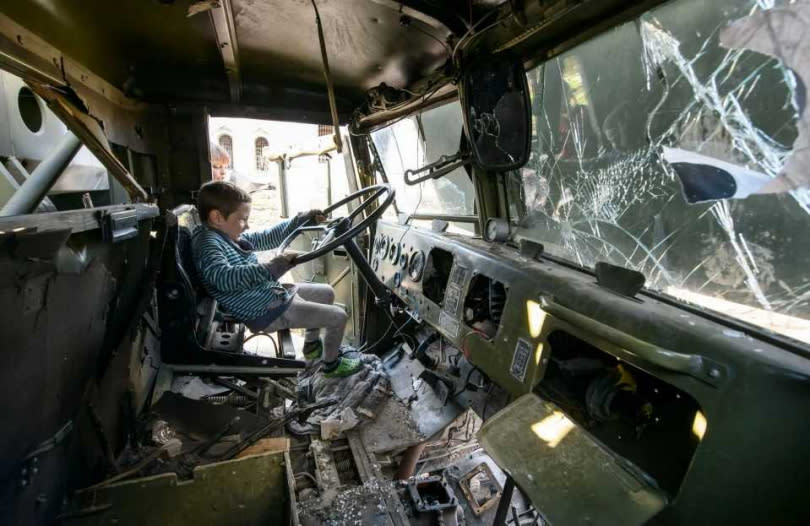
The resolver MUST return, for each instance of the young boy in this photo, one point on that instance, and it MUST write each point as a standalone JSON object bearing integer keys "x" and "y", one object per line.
{"x": 220, "y": 160}
{"x": 250, "y": 291}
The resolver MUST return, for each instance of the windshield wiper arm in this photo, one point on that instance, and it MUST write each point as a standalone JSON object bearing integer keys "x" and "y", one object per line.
{"x": 443, "y": 166}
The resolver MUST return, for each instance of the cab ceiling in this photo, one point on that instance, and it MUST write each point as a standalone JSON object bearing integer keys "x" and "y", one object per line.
{"x": 154, "y": 51}
{"x": 252, "y": 54}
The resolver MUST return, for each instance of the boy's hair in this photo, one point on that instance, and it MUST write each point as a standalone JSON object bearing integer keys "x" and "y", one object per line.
{"x": 218, "y": 153}
{"x": 220, "y": 195}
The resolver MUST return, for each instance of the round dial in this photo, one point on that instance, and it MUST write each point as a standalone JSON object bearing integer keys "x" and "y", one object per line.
{"x": 416, "y": 265}
{"x": 497, "y": 229}
{"x": 393, "y": 252}
{"x": 384, "y": 246}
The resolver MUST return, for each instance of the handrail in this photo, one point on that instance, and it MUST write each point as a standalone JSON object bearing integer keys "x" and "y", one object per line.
{"x": 695, "y": 365}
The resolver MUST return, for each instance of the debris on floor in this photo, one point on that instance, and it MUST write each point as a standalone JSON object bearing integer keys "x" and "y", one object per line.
{"x": 344, "y": 441}
{"x": 195, "y": 388}
{"x": 363, "y": 504}
{"x": 357, "y": 399}
{"x": 380, "y": 436}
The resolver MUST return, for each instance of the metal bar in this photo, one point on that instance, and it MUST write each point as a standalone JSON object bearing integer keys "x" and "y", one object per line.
{"x": 285, "y": 344}
{"x": 91, "y": 134}
{"x": 293, "y": 505}
{"x": 18, "y": 172}
{"x": 505, "y": 503}
{"x": 445, "y": 217}
{"x": 328, "y": 181}
{"x": 35, "y": 188}
{"x": 408, "y": 463}
{"x": 282, "y": 187}
{"x": 330, "y": 88}
{"x": 79, "y": 220}
{"x": 225, "y": 29}
{"x": 340, "y": 276}
{"x": 235, "y": 387}
{"x": 234, "y": 370}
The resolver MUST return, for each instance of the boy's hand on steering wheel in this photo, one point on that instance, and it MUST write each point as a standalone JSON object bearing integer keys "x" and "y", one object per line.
{"x": 279, "y": 265}
{"x": 315, "y": 215}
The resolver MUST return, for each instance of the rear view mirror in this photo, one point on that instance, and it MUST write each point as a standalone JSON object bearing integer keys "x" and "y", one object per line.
{"x": 495, "y": 102}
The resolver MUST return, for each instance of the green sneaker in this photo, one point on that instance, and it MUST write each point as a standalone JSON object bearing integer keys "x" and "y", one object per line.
{"x": 313, "y": 350}
{"x": 345, "y": 367}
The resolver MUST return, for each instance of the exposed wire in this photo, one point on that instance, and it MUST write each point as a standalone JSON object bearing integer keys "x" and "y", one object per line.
{"x": 471, "y": 34}
{"x": 429, "y": 92}
{"x": 467, "y": 380}
{"x": 410, "y": 340}
{"x": 434, "y": 37}
{"x": 365, "y": 346}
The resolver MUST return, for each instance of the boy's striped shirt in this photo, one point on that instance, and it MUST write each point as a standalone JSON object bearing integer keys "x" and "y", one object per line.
{"x": 232, "y": 274}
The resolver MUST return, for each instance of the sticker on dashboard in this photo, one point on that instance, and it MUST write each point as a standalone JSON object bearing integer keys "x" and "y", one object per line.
{"x": 458, "y": 276}
{"x": 520, "y": 360}
{"x": 451, "y": 298}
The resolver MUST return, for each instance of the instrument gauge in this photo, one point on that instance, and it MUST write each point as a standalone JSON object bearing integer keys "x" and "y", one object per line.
{"x": 393, "y": 252}
{"x": 497, "y": 230}
{"x": 416, "y": 265}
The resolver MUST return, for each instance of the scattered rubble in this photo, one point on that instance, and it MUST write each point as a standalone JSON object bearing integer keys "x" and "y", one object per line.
{"x": 358, "y": 505}
{"x": 358, "y": 398}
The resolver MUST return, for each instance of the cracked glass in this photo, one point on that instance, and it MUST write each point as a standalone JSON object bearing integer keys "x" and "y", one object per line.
{"x": 675, "y": 145}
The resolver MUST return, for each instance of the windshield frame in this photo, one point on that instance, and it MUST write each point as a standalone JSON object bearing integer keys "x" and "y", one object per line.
{"x": 380, "y": 172}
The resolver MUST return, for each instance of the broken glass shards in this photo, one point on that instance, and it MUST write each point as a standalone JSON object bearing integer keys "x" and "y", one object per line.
{"x": 658, "y": 147}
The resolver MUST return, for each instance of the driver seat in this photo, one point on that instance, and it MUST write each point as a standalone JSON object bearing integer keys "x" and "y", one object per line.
{"x": 195, "y": 331}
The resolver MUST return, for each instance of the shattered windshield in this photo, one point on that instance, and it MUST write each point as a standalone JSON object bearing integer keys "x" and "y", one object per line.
{"x": 676, "y": 145}
{"x": 416, "y": 141}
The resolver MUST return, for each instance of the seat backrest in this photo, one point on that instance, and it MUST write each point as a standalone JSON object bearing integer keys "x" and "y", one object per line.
{"x": 187, "y": 220}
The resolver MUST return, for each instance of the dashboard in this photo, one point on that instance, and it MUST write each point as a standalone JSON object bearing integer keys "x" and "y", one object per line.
{"x": 620, "y": 366}
{"x": 462, "y": 287}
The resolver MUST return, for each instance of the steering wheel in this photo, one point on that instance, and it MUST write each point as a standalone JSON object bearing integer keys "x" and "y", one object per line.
{"x": 340, "y": 231}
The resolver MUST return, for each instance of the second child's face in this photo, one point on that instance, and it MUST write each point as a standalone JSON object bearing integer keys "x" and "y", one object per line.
{"x": 235, "y": 223}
